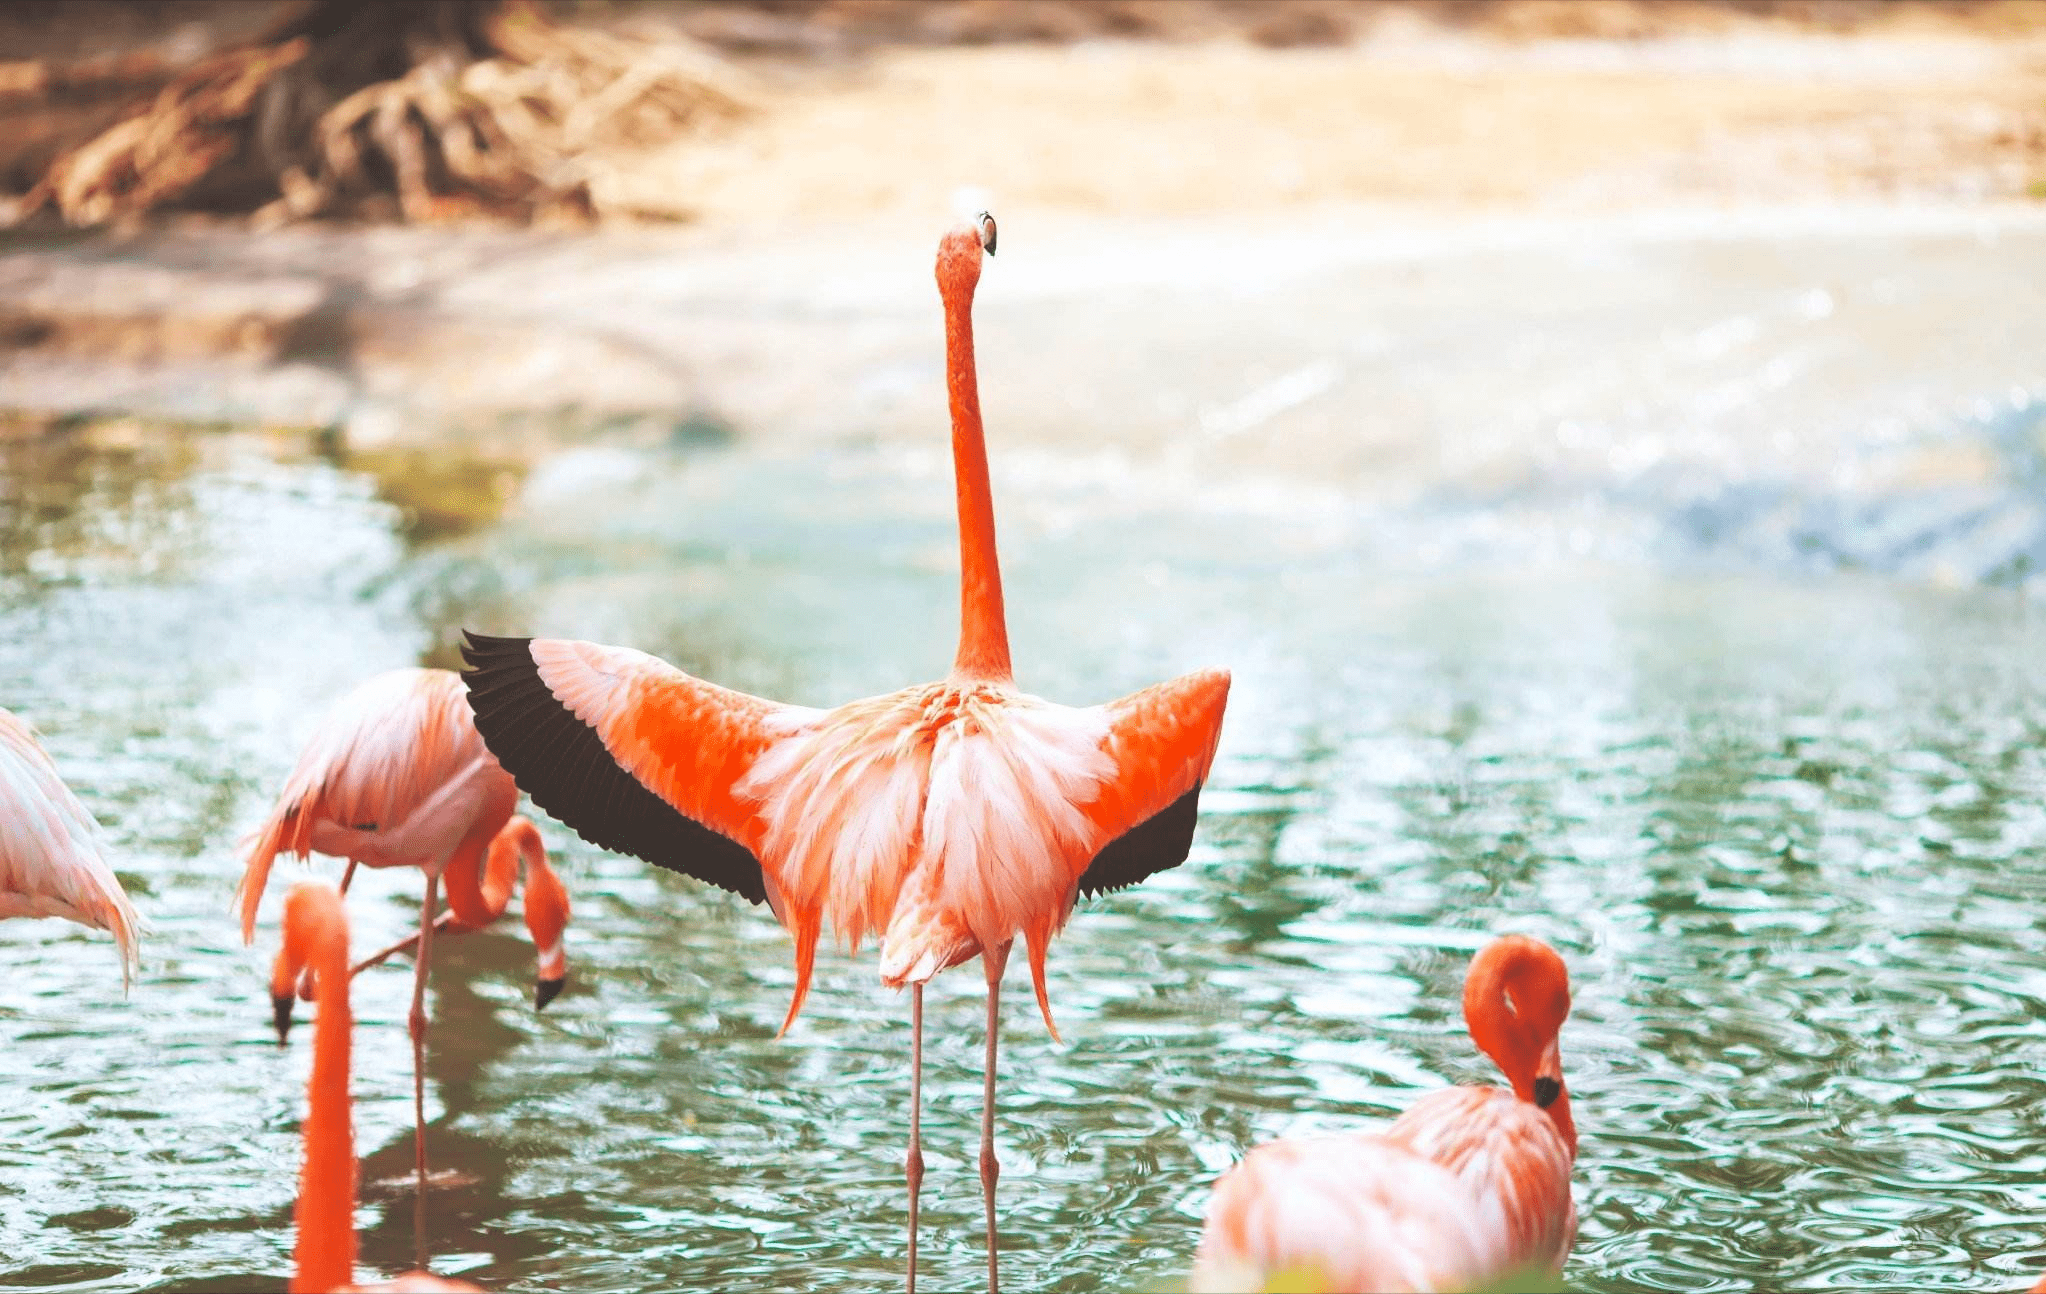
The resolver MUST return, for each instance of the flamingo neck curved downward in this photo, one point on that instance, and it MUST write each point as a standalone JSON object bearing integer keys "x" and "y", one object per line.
{"x": 1515, "y": 999}
{"x": 477, "y": 890}
{"x": 325, "y": 1216}
{"x": 983, "y": 627}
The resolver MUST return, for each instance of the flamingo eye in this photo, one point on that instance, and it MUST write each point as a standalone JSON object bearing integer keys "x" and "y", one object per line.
{"x": 1546, "y": 1090}
{"x": 987, "y": 231}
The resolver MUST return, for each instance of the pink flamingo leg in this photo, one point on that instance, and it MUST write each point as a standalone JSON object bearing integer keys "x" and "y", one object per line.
{"x": 444, "y": 923}
{"x": 995, "y": 961}
{"x": 417, "y": 1024}
{"x": 914, "y": 1165}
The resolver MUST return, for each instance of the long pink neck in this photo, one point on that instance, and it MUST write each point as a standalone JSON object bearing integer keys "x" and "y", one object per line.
{"x": 983, "y": 628}
{"x": 326, "y": 1196}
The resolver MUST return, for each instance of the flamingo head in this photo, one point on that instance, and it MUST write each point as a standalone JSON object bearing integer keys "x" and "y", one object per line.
{"x": 1515, "y": 1000}
{"x": 312, "y": 913}
{"x": 959, "y": 254}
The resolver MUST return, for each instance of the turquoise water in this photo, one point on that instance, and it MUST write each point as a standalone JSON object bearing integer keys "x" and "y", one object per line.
{"x": 1785, "y": 824}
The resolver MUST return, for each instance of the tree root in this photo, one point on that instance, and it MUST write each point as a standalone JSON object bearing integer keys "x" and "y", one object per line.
{"x": 446, "y": 108}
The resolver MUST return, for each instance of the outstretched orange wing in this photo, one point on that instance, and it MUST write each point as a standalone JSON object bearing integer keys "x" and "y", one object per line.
{"x": 633, "y": 754}
{"x": 1162, "y": 740}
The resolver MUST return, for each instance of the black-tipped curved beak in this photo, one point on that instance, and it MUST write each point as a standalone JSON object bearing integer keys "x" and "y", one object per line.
{"x": 546, "y": 990}
{"x": 280, "y": 1013}
{"x": 1546, "y": 1090}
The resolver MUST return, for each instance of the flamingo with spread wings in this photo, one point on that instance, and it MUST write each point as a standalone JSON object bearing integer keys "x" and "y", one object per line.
{"x": 396, "y": 776}
{"x": 316, "y": 944}
{"x": 51, "y": 863}
{"x": 948, "y": 820}
{"x": 1468, "y": 1188}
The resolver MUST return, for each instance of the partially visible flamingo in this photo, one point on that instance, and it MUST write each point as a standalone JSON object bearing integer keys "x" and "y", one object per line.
{"x": 1469, "y": 1187}
{"x": 396, "y": 776}
{"x": 316, "y": 943}
{"x": 949, "y": 818}
{"x": 51, "y": 864}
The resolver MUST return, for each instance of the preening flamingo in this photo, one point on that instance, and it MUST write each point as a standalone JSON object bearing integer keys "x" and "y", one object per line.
{"x": 1469, "y": 1187}
{"x": 396, "y": 776}
{"x": 50, "y": 859}
{"x": 316, "y": 942}
{"x": 948, "y": 819}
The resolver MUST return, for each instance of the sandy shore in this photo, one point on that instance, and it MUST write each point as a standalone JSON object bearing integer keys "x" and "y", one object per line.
{"x": 1137, "y": 130}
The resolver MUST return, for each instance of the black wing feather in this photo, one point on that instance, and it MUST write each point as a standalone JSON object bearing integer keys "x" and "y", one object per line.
{"x": 561, "y": 762}
{"x": 1159, "y": 842}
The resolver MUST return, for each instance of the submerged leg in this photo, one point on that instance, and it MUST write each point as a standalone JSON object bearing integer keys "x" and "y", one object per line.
{"x": 995, "y": 960}
{"x": 914, "y": 1166}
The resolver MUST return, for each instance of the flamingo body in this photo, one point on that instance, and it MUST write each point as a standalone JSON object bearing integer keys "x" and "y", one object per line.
{"x": 1469, "y": 1187}
{"x": 1511, "y": 1156}
{"x": 1343, "y": 1213}
{"x": 395, "y": 776}
{"x": 51, "y": 862}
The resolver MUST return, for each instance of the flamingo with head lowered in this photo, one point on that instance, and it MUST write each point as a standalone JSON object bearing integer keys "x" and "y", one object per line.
{"x": 395, "y": 776}
{"x": 51, "y": 863}
{"x": 316, "y": 944}
{"x": 948, "y": 819}
{"x": 1468, "y": 1189}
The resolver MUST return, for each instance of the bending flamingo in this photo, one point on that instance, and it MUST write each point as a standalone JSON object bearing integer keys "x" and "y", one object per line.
{"x": 316, "y": 943}
{"x": 397, "y": 777}
{"x": 50, "y": 859}
{"x": 1468, "y": 1188}
{"x": 948, "y": 819}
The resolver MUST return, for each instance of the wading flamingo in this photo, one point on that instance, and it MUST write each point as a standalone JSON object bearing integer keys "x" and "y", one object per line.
{"x": 397, "y": 777}
{"x": 1469, "y": 1187}
{"x": 948, "y": 819}
{"x": 316, "y": 944}
{"x": 50, "y": 860}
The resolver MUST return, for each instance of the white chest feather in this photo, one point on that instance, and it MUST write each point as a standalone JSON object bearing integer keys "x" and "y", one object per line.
{"x": 964, "y": 803}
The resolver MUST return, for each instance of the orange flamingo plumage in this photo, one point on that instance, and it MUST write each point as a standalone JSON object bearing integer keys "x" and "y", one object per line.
{"x": 396, "y": 776}
{"x": 1469, "y": 1187}
{"x": 51, "y": 863}
{"x": 316, "y": 943}
{"x": 948, "y": 819}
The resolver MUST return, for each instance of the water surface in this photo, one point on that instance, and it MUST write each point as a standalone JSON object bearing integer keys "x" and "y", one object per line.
{"x": 1784, "y": 823}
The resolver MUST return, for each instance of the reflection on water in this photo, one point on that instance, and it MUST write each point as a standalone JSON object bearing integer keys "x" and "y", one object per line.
{"x": 1785, "y": 830}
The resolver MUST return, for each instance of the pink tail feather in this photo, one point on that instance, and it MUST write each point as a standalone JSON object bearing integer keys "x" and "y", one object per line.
{"x": 805, "y": 926}
{"x": 1037, "y": 936}
{"x": 283, "y": 833}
